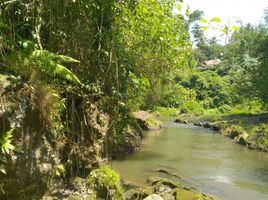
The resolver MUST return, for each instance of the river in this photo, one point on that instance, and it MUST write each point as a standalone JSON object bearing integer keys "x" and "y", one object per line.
{"x": 208, "y": 161}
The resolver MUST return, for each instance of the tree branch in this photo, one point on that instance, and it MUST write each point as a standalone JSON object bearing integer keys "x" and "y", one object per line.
{"x": 9, "y": 2}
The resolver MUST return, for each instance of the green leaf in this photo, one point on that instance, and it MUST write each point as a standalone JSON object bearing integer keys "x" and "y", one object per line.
{"x": 10, "y": 147}
{"x": 2, "y": 169}
{"x": 5, "y": 142}
{"x": 3, "y": 25}
{"x": 215, "y": 19}
{"x": 67, "y": 59}
{"x": 203, "y": 20}
{"x": 48, "y": 62}
{"x": 225, "y": 30}
{"x": 57, "y": 173}
{"x": 179, "y": 7}
{"x": 187, "y": 10}
{"x": 27, "y": 45}
{"x": 205, "y": 28}
{"x": 235, "y": 28}
{"x": 58, "y": 69}
{"x": 54, "y": 56}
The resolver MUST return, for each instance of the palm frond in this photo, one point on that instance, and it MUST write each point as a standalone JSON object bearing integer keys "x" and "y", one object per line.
{"x": 63, "y": 72}
{"x": 66, "y": 59}
{"x": 49, "y": 63}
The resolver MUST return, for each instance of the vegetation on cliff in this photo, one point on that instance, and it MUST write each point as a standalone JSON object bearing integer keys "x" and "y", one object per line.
{"x": 73, "y": 72}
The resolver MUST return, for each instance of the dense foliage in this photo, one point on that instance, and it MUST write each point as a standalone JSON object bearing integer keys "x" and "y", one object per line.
{"x": 235, "y": 84}
{"x": 88, "y": 64}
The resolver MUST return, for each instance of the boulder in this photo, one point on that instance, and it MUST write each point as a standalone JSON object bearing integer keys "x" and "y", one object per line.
{"x": 190, "y": 194}
{"x": 215, "y": 127}
{"x": 137, "y": 193}
{"x": 158, "y": 180}
{"x": 242, "y": 138}
{"x": 206, "y": 125}
{"x": 161, "y": 188}
{"x": 129, "y": 143}
{"x": 154, "y": 197}
{"x": 234, "y": 134}
{"x": 181, "y": 121}
{"x": 198, "y": 124}
{"x": 147, "y": 121}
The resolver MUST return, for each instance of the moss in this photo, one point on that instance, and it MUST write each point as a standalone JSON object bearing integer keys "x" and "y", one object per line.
{"x": 177, "y": 190}
{"x": 146, "y": 120}
{"x": 187, "y": 194}
{"x": 153, "y": 123}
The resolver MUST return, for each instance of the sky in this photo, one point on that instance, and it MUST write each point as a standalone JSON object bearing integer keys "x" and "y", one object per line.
{"x": 248, "y": 11}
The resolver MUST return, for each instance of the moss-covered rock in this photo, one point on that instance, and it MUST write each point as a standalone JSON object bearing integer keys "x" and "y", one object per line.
{"x": 127, "y": 143}
{"x": 172, "y": 190}
{"x": 138, "y": 193}
{"x": 181, "y": 121}
{"x": 147, "y": 121}
{"x": 30, "y": 169}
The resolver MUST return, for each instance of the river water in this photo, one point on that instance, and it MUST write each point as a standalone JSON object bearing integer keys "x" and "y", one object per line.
{"x": 208, "y": 161}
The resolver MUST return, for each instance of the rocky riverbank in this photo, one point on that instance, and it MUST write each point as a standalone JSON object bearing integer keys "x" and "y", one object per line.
{"x": 133, "y": 135}
{"x": 249, "y": 131}
{"x": 158, "y": 188}
{"x": 44, "y": 148}
{"x": 165, "y": 189}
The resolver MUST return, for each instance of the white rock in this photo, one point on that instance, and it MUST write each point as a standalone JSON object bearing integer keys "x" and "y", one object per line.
{"x": 154, "y": 197}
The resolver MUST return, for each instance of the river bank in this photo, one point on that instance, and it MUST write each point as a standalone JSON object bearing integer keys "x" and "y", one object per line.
{"x": 205, "y": 160}
{"x": 247, "y": 130}
{"x": 166, "y": 184}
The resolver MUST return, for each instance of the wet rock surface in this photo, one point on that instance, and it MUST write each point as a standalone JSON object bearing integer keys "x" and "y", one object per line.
{"x": 132, "y": 136}
{"x": 162, "y": 188}
{"x": 130, "y": 143}
{"x": 181, "y": 121}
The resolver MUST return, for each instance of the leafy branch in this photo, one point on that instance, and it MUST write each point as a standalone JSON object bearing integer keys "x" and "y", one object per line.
{"x": 49, "y": 63}
{"x": 6, "y": 148}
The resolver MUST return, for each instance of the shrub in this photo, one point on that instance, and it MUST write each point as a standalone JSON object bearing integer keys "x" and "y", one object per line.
{"x": 249, "y": 107}
{"x": 106, "y": 183}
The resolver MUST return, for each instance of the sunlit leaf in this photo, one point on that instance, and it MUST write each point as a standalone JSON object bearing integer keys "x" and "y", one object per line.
{"x": 235, "y": 28}
{"x": 187, "y": 10}
{"x": 205, "y": 28}
{"x": 215, "y": 19}
{"x": 2, "y": 169}
{"x": 225, "y": 30}
{"x": 203, "y": 20}
{"x": 179, "y": 7}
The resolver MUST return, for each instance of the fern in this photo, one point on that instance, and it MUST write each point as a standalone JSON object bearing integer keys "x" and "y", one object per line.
{"x": 53, "y": 56}
{"x": 55, "y": 69}
{"x": 49, "y": 63}
{"x": 5, "y": 142}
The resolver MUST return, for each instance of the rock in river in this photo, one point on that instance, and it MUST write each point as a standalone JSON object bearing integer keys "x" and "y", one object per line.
{"x": 147, "y": 121}
{"x": 154, "y": 197}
